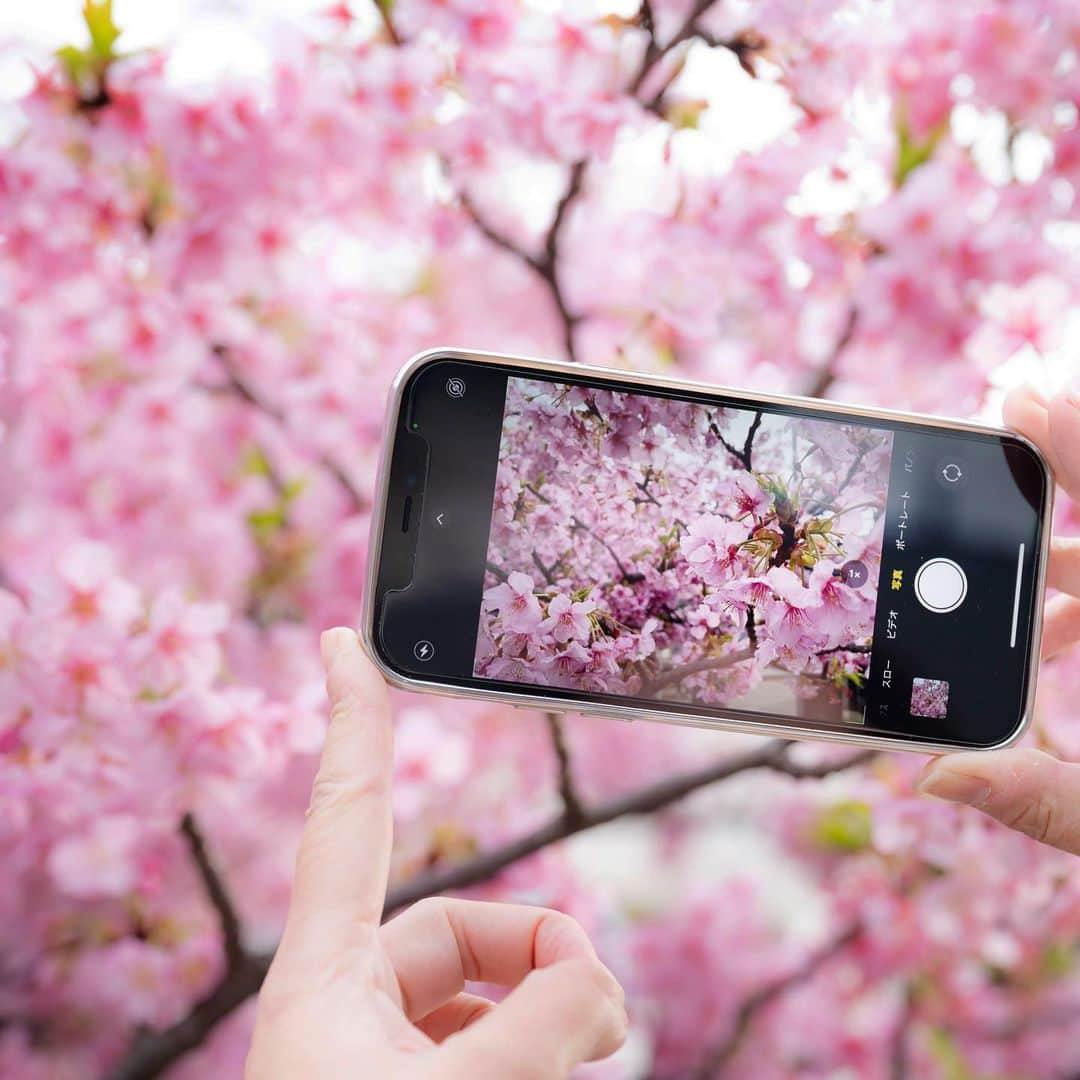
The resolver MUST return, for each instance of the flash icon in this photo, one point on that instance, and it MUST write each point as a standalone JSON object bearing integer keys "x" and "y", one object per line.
{"x": 423, "y": 651}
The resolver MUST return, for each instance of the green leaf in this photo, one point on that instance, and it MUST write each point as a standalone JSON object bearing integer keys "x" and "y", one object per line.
{"x": 99, "y": 20}
{"x": 291, "y": 491}
{"x": 264, "y": 523}
{"x": 253, "y": 461}
{"x": 75, "y": 61}
{"x": 944, "y": 1050}
{"x": 845, "y": 826}
{"x": 912, "y": 152}
{"x": 1058, "y": 959}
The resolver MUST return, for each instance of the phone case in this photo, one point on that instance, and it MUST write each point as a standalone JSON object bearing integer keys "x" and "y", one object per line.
{"x": 774, "y": 725}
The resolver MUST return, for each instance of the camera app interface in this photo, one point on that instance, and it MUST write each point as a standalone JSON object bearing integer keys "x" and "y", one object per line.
{"x": 700, "y": 555}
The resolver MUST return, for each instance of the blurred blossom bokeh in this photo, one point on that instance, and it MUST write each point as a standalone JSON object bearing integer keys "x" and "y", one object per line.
{"x": 223, "y": 227}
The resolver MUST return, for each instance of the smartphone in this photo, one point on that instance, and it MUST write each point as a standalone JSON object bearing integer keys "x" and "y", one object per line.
{"x": 579, "y": 539}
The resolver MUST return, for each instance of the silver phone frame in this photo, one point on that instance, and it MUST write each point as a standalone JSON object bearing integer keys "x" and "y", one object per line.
{"x": 775, "y": 725}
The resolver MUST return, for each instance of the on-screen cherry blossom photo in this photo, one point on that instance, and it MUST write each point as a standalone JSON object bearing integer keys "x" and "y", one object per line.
{"x": 676, "y": 551}
{"x": 930, "y": 698}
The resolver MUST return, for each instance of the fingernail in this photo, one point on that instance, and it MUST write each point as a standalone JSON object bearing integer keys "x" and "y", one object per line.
{"x": 958, "y": 787}
{"x": 334, "y": 642}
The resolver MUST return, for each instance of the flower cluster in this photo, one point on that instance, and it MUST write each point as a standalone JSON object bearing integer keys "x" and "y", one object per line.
{"x": 685, "y": 551}
{"x": 205, "y": 290}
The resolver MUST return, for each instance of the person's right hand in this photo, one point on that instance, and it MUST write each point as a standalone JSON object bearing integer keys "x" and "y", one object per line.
{"x": 347, "y": 997}
{"x": 1025, "y": 788}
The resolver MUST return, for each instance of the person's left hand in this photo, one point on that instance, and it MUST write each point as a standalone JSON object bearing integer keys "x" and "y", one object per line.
{"x": 1025, "y": 788}
{"x": 345, "y": 997}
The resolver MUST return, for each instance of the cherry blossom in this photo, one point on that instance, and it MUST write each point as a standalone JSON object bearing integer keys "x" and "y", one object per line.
{"x": 205, "y": 292}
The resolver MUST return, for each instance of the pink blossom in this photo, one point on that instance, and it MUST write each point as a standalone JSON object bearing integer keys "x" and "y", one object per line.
{"x": 100, "y": 861}
{"x": 92, "y": 591}
{"x": 518, "y": 608}
{"x": 429, "y": 758}
{"x": 568, "y": 619}
{"x": 713, "y": 548}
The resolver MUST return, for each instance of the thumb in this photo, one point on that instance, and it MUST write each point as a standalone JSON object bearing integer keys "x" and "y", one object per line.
{"x": 1024, "y": 789}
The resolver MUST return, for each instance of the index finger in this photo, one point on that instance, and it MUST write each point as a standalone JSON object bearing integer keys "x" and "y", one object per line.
{"x": 1053, "y": 429}
{"x": 1064, "y": 416}
{"x": 344, "y": 856}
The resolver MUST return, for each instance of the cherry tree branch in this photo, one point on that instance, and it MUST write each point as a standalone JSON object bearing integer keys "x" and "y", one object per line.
{"x": 654, "y": 52}
{"x": 695, "y": 667}
{"x": 827, "y": 375}
{"x": 898, "y": 1054}
{"x": 745, "y": 456}
{"x": 383, "y": 8}
{"x": 773, "y": 755}
{"x": 546, "y": 265}
{"x": 152, "y": 1053}
{"x": 573, "y": 811}
{"x": 216, "y": 891}
{"x": 718, "y": 1058}
{"x": 246, "y": 391}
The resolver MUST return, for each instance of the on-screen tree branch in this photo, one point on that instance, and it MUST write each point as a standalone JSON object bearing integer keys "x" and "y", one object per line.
{"x": 695, "y": 667}
{"x": 153, "y": 1053}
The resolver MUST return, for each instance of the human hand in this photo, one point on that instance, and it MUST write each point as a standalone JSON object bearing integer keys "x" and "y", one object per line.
{"x": 348, "y": 997}
{"x": 1025, "y": 788}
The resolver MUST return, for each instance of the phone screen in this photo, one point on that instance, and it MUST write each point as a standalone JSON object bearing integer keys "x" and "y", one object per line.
{"x": 577, "y": 538}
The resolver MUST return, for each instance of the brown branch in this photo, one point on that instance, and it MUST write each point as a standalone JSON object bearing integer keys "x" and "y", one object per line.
{"x": 898, "y": 1054}
{"x": 152, "y": 1054}
{"x": 696, "y": 667}
{"x": 498, "y": 571}
{"x": 747, "y": 455}
{"x": 827, "y": 376}
{"x": 383, "y": 8}
{"x": 866, "y": 649}
{"x": 655, "y": 53}
{"x": 573, "y": 811}
{"x": 547, "y": 571}
{"x": 485, "y": 866}
{"x": 246, "y": 392}
{"x": 718, "y": 1058}
{"x": 495, "y": 237}
{"x": 626, "y": 577}
{"x": 545, "y": 265}
{"x": 216, "y": 892}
